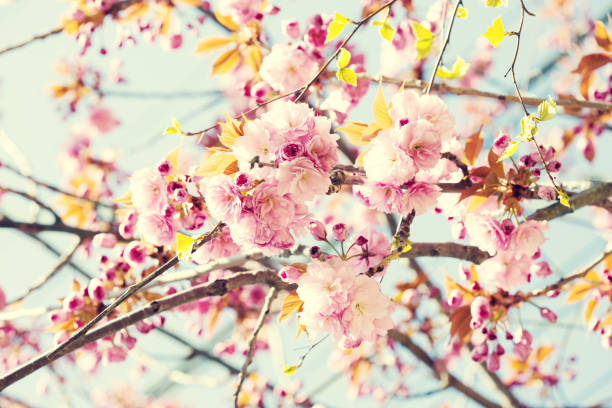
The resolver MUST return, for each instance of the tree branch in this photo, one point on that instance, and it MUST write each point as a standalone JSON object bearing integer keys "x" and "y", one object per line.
{"x": 579, "y": 200}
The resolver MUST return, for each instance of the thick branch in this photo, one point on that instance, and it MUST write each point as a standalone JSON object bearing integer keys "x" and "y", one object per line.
{"x": 447, "y": 378}
{"x": 579, "y": 200}
{"x": 34, "y": 228}
{"x": 215, "y": 288}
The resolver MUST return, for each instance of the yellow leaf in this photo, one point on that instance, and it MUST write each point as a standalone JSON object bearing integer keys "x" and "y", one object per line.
{"x": 291, "y": 304}
{"x": 183, "y": 246}
{"x": 458, "y": 70}
{"x": 518, "y": 365}
{"x": 495, "y": 33}
{"x": 173, "y": 157}
{"x": 579, "y": 291}
{"x": 226, "y": 62}
{"x": 606, "y": 321}
{"x": 462, "y": 12}
{"x": 529, "y": 128}
{"x": 216, "y": 164}
{"x": 212, "y": 43}
{"x": 496, "y": 3}
{"x": 347, "y": 75}
{"x": 336, "y": 26}
{"x": 475, "y": 202}
{"x": 588, "y": 310}
{"x": 231, "y": 130}
{"x": 290, "y": 369}
{"x": 509, "y": 150}
{"x": 359, "y": 159}
{"x": 71, "y": 27}
{"x": 547, "y": 109}
{"x": 226, "y": 21}
{"x": 252, "y": 56}
{"x": 386, "y": 31}
{"x": 543, "y": 352}
{"x": 125, "y": 200}
{"x": 592, "y": 276}
{"x": 424, "y": 39}
{"x": 195, "y": 3}
{"x": 381, "y": 111}
{"x": 354, "y": 131}
{"x": 564, "y": 199}
{"x": 344, "y": 58}
{"x": 170, "y": 130}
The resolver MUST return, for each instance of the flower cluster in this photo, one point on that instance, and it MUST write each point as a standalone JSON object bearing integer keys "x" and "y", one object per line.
{"x": 513, "y": 249}
{"x": 264, "y": 204}
{"x": 350, "y": 307}
{"x": 399, "y": 157}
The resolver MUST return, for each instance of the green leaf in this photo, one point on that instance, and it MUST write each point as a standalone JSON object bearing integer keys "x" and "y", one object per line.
{"x": 424, "y": 39}
{"x": 336, "y": 26}
{"x": 289, "y": 370}
{"x": 509, "y": 150}
{"x": 344, "y": 58}
{"x": 547, "y": 109}
{"x": 529, "y": 128}
{"x": 495, "y": 33}
{"x": 564, "y": 199}
{"x": 347, "y": 75}
{"x": 458, "y": 70}
{"x": 183, "y": 246}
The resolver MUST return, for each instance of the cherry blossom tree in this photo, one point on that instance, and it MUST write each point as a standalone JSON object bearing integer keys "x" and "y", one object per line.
{"x": 365, "y": 214}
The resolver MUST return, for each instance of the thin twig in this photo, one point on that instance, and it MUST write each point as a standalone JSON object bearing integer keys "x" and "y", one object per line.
{"x": 446, "y": 41}
{"x": 61, "y": 262}
{"x": 34, "y": 200}
{"x": 31, "y": 40}
{"x": 272, "y": 293}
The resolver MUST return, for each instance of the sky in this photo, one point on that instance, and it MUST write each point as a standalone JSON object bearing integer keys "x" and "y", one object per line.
{"x": 37, "y": 126}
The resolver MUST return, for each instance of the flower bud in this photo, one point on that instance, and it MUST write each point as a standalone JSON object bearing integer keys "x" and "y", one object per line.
{"x": 455, "y": 298}
{"x": 317, "y": 230}
{"x": 480, "y": 308}
{"x": 291, "y": 28}
{"x": 339, "y": 232}
{"x": 104, "y": 240}
{"x": 548, "y": 314}
{"x": 500, "y": 144}
{"x": 96, "y": 290}
{"x": 493, "y": 362}
{"x": 164, "y": 168}
{"x": 134, "y": 253}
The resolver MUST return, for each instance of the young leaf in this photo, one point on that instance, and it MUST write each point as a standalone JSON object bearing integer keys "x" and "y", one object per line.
{"x": 547, "y": 109}
{"x": 354, "y": 131}
{"x": 289, "y": 370}
{"x": 462, "y": 12}
{"x": 588, "y": 310}
{"x": 386, "y": 31}
{"x": 473, "y": 144}
{"x": 226, "y": 62}
{"x": 509, "y": 150}
{"x": 496, "y": 3}
{"x": 182, "y": 246}
{"x": 424, "y": 39}
{"x": 336, "y": 26}
{"x": 564, "y": 199}
{"x": 170, "y": 130}
{"x": 603, "y": 38}
{"x": 458, "y": 70}
{"x": 529, "y": 128}
{"x": 344, "y": 58}
{"x": 291, "y": 304}
{"x": 212, "y": 43}
{"x": 381, "y": 111}
{"x": 495, "y": 33}
{"x": 347, "y": 75}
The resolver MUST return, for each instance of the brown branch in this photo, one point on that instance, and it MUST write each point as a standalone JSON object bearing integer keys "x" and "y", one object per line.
{"x": 61, "y": 262}
{"x": 579, "y": 200}
{"x": 439, "y": 60}
{"x": 446, "y": 250}
{"x": 215, "y": 288}
{"x": 34, "y": 227}
{"x": 34, "y": 200}
{"x": 446, "y": 378}
{"x": 445, "y": 88}
{"x": 31, "y": 40}
{"x": 272, "y": 293}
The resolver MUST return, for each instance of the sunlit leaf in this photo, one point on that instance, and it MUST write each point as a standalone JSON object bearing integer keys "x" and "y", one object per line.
{"x": 347, "y": 75}
{"x": 226, "y": 21}
{"x": 603, "y": 38}
{"x": 473, "y": 144}
{"x": 212, "y": 43}
{"x": 344, "y": 58}
{"x": 424, "y": 39}
{"x": 495, "y": 33}
{"x": 386, "y": 31}
{"x": 336, "y": 26}
{"x": 354, "y": 131}
{"x": 529, "y": 128}
{"x": 217, "y": 163}
{"x": 380, "y": 110}
{"x": 579, "y": 291}
{"x": 226, "y": 62}
{"x": 458, "y": 70}
{"x": 564, "y": 199}
{"x": 462, "y": 12}
{"x": 543, "y": 352}
{"x": 547, "y": 109}
{"x": 289, "y": 370}
{"x": 291, "y": 304}
{"x": 588, "y": 310}
{"x": 496, "y": 3}
{"x": 510, "y": 150}
{"x": 252, "y": 56}
{"x": 183, "y": 246}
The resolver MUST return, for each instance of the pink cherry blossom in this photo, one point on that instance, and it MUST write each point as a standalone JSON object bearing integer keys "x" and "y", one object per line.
{"x": 223, "y": 199}
{"x": 148, "y": 190}
{"x": 221, "y": 246}
{"x": 412, "y": 106}
{"x": 505, "y": 270}
{"x": 287, "y": 67}
{"x": 155, "y": 229}
{"x": 241, "y": 11}
{"x": 386, "y": 163}
{"x": 528, "y": 236}
{"x": 102, "y": 119}
{"x": 301, "y": 180}
{"x": 422, "y": 142}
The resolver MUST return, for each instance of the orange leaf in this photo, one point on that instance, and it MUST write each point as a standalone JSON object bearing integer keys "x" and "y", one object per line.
{"x": 380, "y": 110}
{"x": 606, "y": 321}
{"x": 215, "y": 164}
{"x": 226, "y": 62}
{"x": 231, "y": 130}
{"x": 194, "y": 3}
{"x": 125, "y": 200}
{"x": 473, "y": 144}
{"x": 585, "y": 83}
{"x": 354, "y": 132}
{"x": 291, "y": 304}
{"x": 252, "y": 56}
{"x": 212, "y": 43}
{"x": 135, "y": 11}
{"x": 579, "y": 291}
{"x": 602, "y": 36}
{"x": 226, "y": 21}
{"x": 543, "y": 352}
{"x": 588, "y": 310}
{"x": 460, "y": 323}
{"x": 475, "y": 202}
{"x": 496, "y": 166}
{"x": 591, "y": 62}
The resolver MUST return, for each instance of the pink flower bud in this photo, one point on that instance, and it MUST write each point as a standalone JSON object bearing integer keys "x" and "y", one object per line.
{"x": 315, "y": 252}
{"x": 164, "y": 168}
{"x": 134, "y": 253}
{"x": 291, "y": 28}
{"x": 547, "y": 193}
{"x": 175, "y": 41}
{"x": 493, "y": 362}
{"x": 317, "y": 230}
{"x": 290, "y": 274}
{"x": 500, "y": 144}
{"x": 480, "y": 308}
{"x": 541, "y": 269}
{"x": 553, "y": 166}
{"x": 480, "y": 352}
{"x": 339, "y": 232}
{"x": 96, "y": 291}
{"x": 455, "y": 298}
{"x": 548, "y": 314}
{"x": 104, "y": 240}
